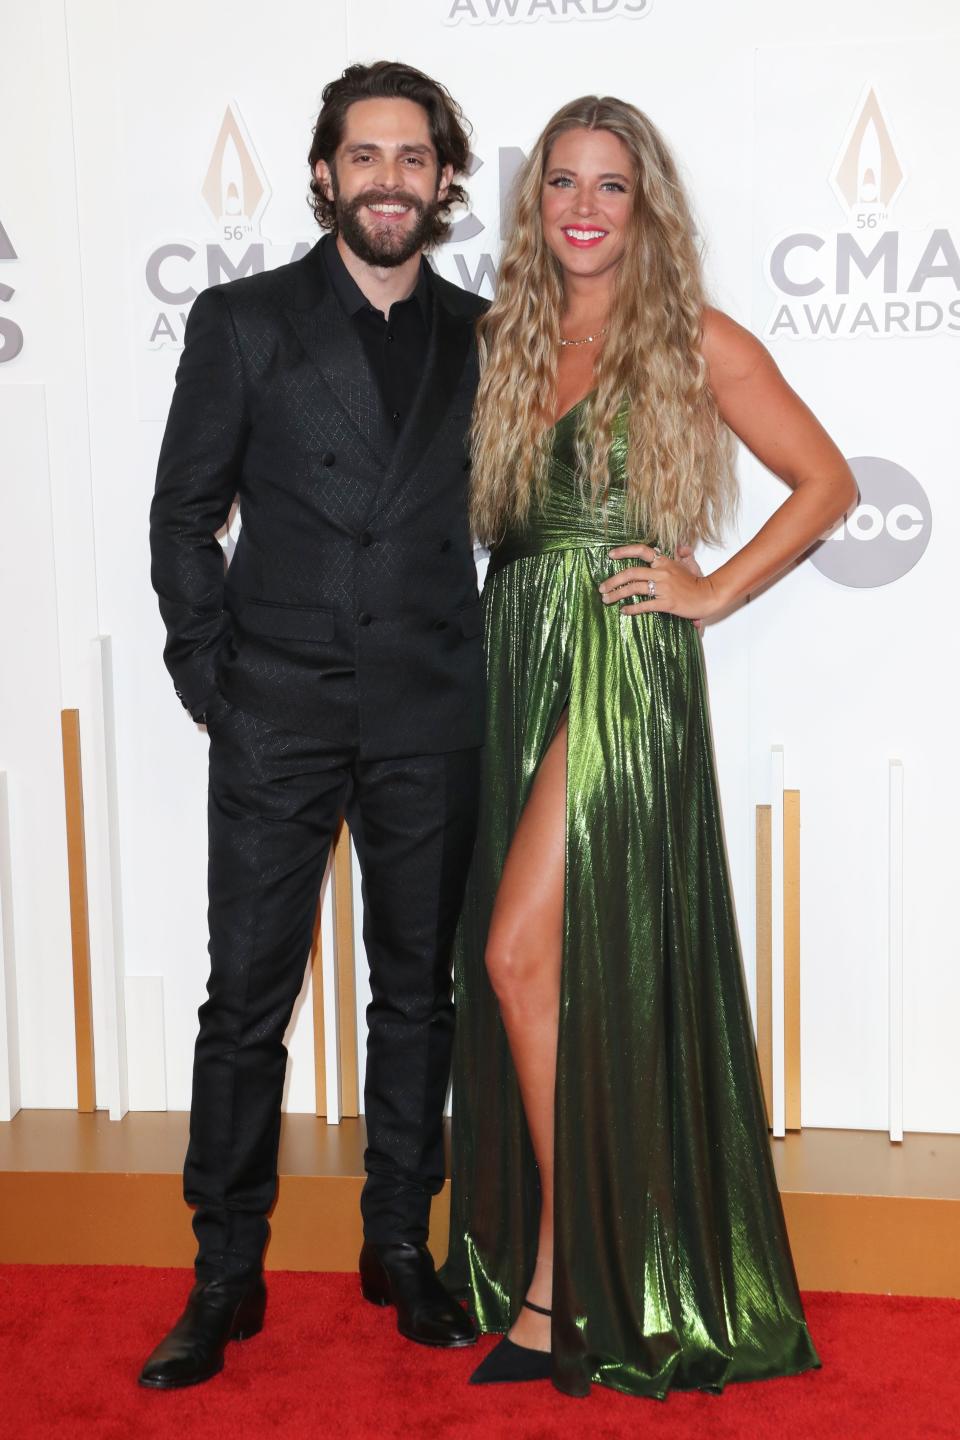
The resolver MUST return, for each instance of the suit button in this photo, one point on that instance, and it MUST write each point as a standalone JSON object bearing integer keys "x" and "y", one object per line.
{"x": 363, "y": 618}
{"x": 365, "y": 539}
{"x": 444, "y": 546}
{"x": 327, "y": 458}
{"x": 439, "y": 624}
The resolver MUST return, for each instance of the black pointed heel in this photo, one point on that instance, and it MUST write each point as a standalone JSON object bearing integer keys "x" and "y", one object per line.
{"x": 509, "y": 1362}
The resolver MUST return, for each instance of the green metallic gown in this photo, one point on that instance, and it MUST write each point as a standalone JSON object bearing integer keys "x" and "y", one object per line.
{"x": 672, "y": 1265}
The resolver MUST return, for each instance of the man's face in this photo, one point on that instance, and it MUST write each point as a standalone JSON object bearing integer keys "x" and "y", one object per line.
{"x": 385, "y": 180}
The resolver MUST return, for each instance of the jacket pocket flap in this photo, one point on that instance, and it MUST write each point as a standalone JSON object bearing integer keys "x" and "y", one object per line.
{"x": 471, "y": 620}
{"x": 287, "y": 622}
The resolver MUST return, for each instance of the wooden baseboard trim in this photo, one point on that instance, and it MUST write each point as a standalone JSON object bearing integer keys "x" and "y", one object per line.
{"x": 862, "y": 1214}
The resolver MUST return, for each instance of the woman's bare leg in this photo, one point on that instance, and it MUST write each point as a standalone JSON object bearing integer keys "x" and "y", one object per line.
{"x": 524, "y": 953}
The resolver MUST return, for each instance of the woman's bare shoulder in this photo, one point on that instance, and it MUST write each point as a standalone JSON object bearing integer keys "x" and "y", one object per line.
{"x": 732, "y": 353}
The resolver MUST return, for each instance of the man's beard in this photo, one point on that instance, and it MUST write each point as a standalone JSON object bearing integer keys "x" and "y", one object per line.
{"x": 386, "y": 245}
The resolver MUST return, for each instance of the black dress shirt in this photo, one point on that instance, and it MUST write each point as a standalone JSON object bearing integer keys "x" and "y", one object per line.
{"x": 395, "y": 347}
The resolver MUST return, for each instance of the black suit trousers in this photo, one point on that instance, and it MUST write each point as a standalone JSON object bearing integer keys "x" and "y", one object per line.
{"x": 275, "y": 799}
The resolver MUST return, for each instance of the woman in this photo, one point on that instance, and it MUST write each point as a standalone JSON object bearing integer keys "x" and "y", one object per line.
{"x": 611, "y": 1162}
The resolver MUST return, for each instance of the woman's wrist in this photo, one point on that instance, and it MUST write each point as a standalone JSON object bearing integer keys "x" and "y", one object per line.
{"x": 719, "y": 590}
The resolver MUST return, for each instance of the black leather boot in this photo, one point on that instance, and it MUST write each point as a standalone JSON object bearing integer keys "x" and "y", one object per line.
{"x": 403, "y": 1275}
{"x": 193, "y": 1351}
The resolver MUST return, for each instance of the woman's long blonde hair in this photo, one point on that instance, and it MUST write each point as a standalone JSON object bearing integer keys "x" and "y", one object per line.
{"x": 680, "y": 482}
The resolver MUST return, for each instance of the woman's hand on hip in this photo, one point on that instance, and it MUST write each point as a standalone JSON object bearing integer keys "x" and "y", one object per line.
{"x": 680, "y": 586}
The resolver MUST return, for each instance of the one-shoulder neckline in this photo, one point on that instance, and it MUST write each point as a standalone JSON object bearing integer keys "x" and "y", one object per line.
{"x": 575, "y": 406}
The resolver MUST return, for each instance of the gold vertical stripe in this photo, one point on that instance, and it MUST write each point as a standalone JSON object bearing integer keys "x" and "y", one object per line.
{"x": 346, "y": 974}
{"x": 765, "y": 956}
{"x": 791, "y": 958}
{"x": 79, "y": 918}
{"x": 319, "y": 1034}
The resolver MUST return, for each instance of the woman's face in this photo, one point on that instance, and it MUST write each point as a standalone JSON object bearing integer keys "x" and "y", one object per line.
{"x": 587, "y": 200}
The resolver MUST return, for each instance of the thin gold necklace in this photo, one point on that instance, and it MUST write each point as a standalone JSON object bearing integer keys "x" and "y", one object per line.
{"x": 587, "y": 339}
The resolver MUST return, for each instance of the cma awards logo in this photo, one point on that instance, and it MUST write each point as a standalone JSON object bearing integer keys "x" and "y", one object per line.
{"x": 495, "y": 12}
{"x": 869, "y": 278}
{"x": 236, "y": 193}
{"x": 885, "y": 535}
{"x": 11, "y": 336}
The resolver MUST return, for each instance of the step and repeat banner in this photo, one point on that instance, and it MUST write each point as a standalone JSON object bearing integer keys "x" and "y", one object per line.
{"x": 163, "y": 149}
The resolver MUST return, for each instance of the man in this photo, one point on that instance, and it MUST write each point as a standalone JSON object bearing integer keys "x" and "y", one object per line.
{"x": 338, "y": 668}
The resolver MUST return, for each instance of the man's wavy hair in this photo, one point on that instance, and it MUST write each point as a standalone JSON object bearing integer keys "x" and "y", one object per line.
{"x": 391, "y": 80}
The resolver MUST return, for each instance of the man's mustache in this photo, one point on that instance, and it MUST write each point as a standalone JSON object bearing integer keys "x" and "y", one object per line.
{"x": 385, "y": 197}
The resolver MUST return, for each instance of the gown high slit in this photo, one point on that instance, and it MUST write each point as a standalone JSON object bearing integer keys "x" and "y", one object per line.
{"x": 672, "y": 1266}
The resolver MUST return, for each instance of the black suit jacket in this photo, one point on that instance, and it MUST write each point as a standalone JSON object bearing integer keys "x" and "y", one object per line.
{"x": 349, "y": 611}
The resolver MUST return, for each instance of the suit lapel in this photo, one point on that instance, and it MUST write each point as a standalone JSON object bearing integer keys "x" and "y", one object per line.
{"x": 447, "y": 351}
{"x": 332, "y": 343}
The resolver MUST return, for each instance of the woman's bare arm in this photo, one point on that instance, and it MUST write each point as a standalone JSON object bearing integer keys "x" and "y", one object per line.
{"x": 769, "y": 417}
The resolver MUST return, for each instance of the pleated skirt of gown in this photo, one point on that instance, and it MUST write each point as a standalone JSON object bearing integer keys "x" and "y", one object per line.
{"x": 672, "y": 1266}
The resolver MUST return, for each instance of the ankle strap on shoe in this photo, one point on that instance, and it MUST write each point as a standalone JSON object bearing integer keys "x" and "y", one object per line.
{"x": 539, "y": 1308}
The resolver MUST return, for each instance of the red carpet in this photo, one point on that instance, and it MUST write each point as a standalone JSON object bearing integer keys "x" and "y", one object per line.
{"x": 328, "y": 1365}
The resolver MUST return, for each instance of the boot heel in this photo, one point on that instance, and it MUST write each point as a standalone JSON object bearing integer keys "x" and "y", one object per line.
{"x": 248, "y": 1320}
{"x": 374, "y": 1280}
{"x": 377, "y": 1291}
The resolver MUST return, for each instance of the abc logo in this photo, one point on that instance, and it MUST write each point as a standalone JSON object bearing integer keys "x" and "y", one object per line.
{"x": 885, "y": 535}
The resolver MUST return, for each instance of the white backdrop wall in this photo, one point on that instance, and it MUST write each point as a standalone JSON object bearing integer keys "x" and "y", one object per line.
{"x": 816, "y": 142}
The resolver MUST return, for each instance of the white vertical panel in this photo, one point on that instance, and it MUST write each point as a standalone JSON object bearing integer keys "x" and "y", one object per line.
{"x": 776, "y": 928}
{"x": 362, "y": 977}
{"x": 895, "y": 945}
{"x": 37, "y": 910}
{"x": 822, "y": 652}
{"x": 103, "y": 877}
{"x": 146, "y": 1062}
{"x": 331, "y": 1010}
{"x": 9, "y": 1039}
{"x": 300, "y": 1085}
